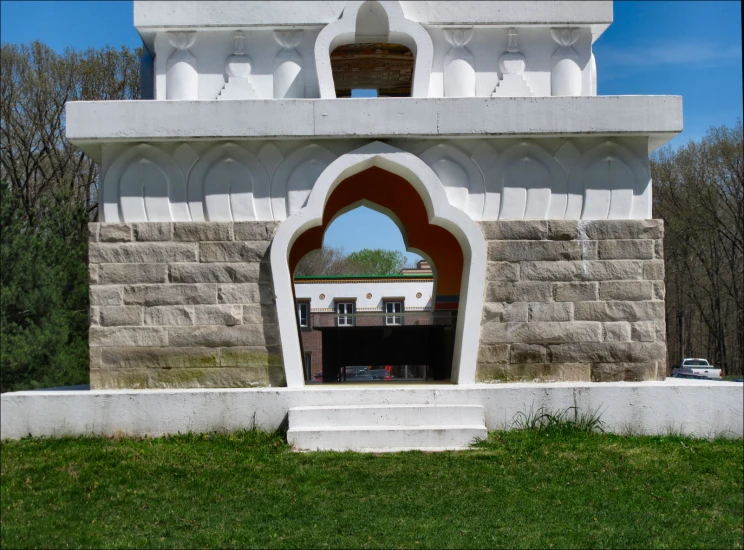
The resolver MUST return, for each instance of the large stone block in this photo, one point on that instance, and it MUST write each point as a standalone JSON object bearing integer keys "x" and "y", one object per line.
{"x": 505, "y": 291}
{"x": 502, "y": 271}
{"x": 153, "y": 231}
{"x": 127, "y": 336}
{"x": 619, "y": 311}
{"x": 115, "y": 232}
{"x": 227, "y": 315}
{"x": 626, "y": 250}
{"x": 626, "y": 290}
{"x": 653, "y": 270}
{"x": 498, "y": 353}
{"x": 219, "y": 336}
{"x": 115, "y": 253}
{"x": 255, "y": 231}
{"x": 622, "y": 229}
{"x": 233, "y": 377}
{"x": 245, "y": 293}
{"x": 589, "y": 270}
{"x": 659, "y": 290}
{"x": 106, "y": 296}
{"x": 170, "y": 295}
{"x": 116, "y": 316}
{"x": 514, "y": 230}
{"x": 260, "y": 314}
{"x": 533, "y": 372}
{"x": 93, "y": 274}
{"x": 608, "y": 352}
{"x": 618, "y": 331}
{"x": 253, "y": 251}
{"x": 522, "y": 251}
{"x": 551, "y": 311}
{"x": 517, "y": 312}
{"x": 624, "y": 372}
{"x": 169, "y": 315}
{"x": 118, "y": 379}
{"x": 648, "y": 331}
{"x": 575, "y": 292}
{"x": 159, "y": 358}
{"x": 563, "y": 230}
{"x": 202, "y": 231}
{"x": 528, "y": 353}
{"x": 251, "y": 356}
{"x": 201, "y": 273}
{"x": 540, "y": 333}
{"x": 93, "y": 231}
{"x": 112, "y": 274}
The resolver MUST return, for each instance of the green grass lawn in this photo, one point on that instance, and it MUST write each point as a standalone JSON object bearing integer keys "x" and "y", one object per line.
{"x": 530, "y": 488}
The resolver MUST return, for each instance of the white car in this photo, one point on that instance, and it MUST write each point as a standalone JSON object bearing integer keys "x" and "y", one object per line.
{"x": 697, "y": 368}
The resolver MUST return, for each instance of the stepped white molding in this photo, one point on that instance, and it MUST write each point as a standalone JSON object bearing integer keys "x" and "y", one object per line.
{"x": 238, "y": 68}
{"x": 512, "y": 65}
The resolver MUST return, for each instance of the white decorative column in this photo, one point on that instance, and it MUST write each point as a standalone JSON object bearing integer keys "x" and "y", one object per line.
{"x": 459, "y": 71}
{"x": 565, "y": 75}
{"x": 512, "y": 65}
{"x": 289, "y": 79}
{"x": 238, "y": 68}
{"x": 182, "y": 78}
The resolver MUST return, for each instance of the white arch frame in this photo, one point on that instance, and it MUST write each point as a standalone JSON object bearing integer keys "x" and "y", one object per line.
{"x": 440, "y": 212}
{"x": 400, "y": 30}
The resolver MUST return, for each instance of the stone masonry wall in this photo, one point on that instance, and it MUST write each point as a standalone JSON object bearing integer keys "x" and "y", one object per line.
{"x": 573, "y": 300}
{"x": 182, "y": 305}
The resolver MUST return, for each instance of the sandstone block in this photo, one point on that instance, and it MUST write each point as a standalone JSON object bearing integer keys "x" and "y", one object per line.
{"x": 623, "y": 372}
{"x": 648, "y": 331}
{"x": 228, "y": 315}
{"x": 522, "y": 251}
{"x": 202, "y": 231}
{"x": 115, "y": 232}
{"x": 618, "y": 311}
{"x": 500, "y": 312}
{"x": 252, "y": 251}
{"x": 255, "y": 231}
{"x": 626, "y": 290}
{"x": 540, "y": 333}
{"x": 111, "y": 274}
{"x": 563, "y": 230}
{"x": 252, "y": 272}
{"x": 528, "y": 353}
{"x": 118, "y": 379}
{"x": 533, "y": 372}
{"x": 589, "y": 270}
{"x": 608, "y": 352}
{"x": 95, "y": 357}
{"x": 277, "y": 377}
{"x": 504, "y": 291}
{"x": 93, "y": 274}
{"x": 251, "y": 356}
{"x": 623, "y": 229}
{"x": 93, "y": 229}
{"x": 260, "y": 314}
{"x": 659, "y": 290}
{"x": 170, "y": 295}
{"x": 575, "y": 292}
{"x": 158, "y": 358}
{"x": 502, "y": 271}
{"x": 626, "y": 250}
{"x": 250, "y": 377}
{"x": 153, "y": 231}
{"x": 201, "y": 273}
{"x": 169, "y": 315}
{"x": 116, "y": 316}
{"x": 659, "y": 250}
{"x": 94, "y": 316}
{"x": 498, "y": 353}
{"x": 105, "y": 296}
{"x": 127, "y": 336}
{"x": 116, "y": 253}
{"x": 245, "y": 293}
{"x": 514, "y": 230}
{"x": 653, "y": 270}
{"x": 220, "y": 336}
{"x": 618, "y": 331}
{"x": 551, "y": 311}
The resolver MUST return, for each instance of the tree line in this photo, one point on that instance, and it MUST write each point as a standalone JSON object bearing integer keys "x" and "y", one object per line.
{"x": 49, "y": 193}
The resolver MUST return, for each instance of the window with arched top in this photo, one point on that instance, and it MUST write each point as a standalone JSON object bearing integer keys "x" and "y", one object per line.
{"x": 387, "y": 68}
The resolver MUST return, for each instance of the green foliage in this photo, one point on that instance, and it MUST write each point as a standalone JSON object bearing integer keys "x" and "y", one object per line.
{"x": 44, "y": 293}
{"x": 523, "y": 489}
{"x": 376, "y": 262}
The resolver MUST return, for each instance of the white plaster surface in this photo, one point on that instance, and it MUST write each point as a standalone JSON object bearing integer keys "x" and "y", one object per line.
{"x": 377, "y": 290}
{"x": 694, "y": 407}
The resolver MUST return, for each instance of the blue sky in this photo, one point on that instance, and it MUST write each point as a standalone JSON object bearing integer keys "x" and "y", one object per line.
{"x": 692, "y": 49}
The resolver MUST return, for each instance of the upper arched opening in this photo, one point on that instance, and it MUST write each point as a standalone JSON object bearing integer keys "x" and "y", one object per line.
{"x": 381, "y": 66}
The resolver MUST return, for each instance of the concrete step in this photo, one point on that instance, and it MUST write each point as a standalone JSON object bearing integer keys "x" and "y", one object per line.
{"x": 386, "y": 428}
{"x": 386, "y": 415}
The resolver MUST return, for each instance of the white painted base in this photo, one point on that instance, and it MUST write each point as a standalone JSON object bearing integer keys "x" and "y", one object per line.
{"x": 386, "y": 428}
{"x": 693, "y": 407}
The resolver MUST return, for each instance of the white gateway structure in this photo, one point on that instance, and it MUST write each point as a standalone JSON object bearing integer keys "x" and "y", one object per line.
{"x": 528, "y": 194}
